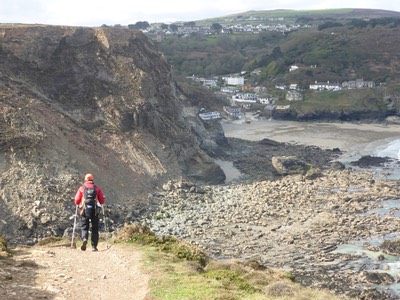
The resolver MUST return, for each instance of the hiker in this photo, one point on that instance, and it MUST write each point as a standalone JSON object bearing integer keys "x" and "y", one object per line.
{"x": 89, "y": 199}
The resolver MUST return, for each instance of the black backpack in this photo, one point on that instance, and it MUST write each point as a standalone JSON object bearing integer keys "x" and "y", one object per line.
{"x": 90, "y": 200}
{"x": 89, "y": 193}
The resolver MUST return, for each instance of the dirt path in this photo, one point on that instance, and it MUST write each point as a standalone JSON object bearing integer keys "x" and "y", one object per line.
{"x": 65, "y": 273}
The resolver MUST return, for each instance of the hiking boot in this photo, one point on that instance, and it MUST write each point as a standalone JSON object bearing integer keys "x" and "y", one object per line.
{"x": 94, "y": 248}
{"x": 83, "y": 247}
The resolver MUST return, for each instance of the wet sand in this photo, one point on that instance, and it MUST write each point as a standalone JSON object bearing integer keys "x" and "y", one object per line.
{"x": 345, "y": 136}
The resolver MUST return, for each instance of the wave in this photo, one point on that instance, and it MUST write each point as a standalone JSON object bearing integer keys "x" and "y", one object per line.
{"x": 391, "y": 149}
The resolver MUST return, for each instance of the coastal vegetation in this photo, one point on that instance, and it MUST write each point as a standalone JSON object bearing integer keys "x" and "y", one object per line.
{"x": 345, "y": 105}
{"x": 181, "y": 271}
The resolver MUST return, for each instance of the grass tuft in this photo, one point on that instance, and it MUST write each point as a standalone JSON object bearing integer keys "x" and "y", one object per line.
{"x": 231, "y": 280}
{"x": 4, "y": 250}
{"x": 142, "y": 235}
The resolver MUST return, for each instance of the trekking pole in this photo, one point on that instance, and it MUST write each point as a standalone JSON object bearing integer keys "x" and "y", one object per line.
{"x": 105, "y": 226}
{"x": 73, "y": 231}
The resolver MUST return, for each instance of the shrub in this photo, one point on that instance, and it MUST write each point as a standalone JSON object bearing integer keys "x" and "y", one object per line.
{"x": 143, "y": 235}
{"x": 3, "y": 244}
{"x": 126, "y": 233}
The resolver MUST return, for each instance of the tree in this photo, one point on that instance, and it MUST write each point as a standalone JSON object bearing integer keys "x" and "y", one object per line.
{"x": 164, "y": 26}
{"x": 216, "y": 27}
{"x": 139, "y": 25}
{"x": 329, "y": 24}
{"x": 189, "y": 24}
{"x": 277, "y": 53}
{"x": 225, "y": 42}
{"x": 173, "y": 27}
{"x": 359, "y": 23}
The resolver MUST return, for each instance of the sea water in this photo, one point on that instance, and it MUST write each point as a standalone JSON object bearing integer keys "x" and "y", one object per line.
{"x": 389, "y": 147}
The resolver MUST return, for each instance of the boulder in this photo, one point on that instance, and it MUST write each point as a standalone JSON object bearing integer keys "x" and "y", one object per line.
{"x": 289, "y": 165}
{"x": 370, "y": 161}
{"x": 377, "y": 277}
{"x": 391, "y": 247}
{"x": 337, "y": 165}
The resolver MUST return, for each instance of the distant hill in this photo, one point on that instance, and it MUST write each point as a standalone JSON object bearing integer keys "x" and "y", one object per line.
{"x": 290, "y": 15}
{"x": 344, "y": 44}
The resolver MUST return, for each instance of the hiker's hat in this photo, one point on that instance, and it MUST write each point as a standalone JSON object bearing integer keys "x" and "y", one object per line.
{"x": 88, "y": 177}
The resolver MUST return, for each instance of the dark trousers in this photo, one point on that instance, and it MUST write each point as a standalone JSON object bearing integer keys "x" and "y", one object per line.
{"x": 85, "y": 224}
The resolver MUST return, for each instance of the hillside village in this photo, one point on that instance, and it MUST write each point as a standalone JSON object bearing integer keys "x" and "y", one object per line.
{"x": 281, "y": 63}
{"x": 244, "y": 97}
{"x": 242, "y": 24}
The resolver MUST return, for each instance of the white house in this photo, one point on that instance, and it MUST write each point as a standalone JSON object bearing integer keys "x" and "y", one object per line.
{"x": 358, "y": 84}
{"x": 213, "y": 115}
{"x": 280, "y": 86}
{"x": 238, "y": 80}
{"x": 265, "y": 100}
{"x": 320, "y": 86}
{"x": 233, "y": 111}
{"x": 294, "y": 96}
{"x": 245, "y": 96}
{"x": 209, "y": 83}
{"x": 228, "y": 89}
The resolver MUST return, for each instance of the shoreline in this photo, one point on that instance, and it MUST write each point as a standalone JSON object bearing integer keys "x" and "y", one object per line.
{"x": 291, "y": 222}
{"x": 345, "y": 136}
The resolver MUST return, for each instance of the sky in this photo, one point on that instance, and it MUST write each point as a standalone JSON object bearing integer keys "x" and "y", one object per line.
{"x": 124, "y": 12}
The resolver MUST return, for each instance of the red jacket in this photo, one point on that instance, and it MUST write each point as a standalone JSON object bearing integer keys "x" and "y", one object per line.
{"x": 89, "y": 184}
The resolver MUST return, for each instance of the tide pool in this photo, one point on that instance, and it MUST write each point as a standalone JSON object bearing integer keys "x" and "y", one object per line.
{"x": 370, "y": 260}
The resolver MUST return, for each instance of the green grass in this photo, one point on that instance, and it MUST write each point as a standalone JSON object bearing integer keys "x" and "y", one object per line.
{"x": 182, "y": 286}
{"x": 351, "y": 100}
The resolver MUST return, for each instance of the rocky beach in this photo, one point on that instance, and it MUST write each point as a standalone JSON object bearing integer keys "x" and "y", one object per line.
{"x": 295, "y": 222}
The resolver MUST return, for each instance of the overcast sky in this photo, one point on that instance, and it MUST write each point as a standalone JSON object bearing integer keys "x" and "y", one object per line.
{"x": 124, "y": 12}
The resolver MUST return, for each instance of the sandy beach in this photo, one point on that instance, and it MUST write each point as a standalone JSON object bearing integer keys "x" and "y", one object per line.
{"x": 345, "y": 136}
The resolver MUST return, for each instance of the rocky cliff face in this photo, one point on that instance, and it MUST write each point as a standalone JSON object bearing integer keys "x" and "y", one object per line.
{"x": 77, "y": 100}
